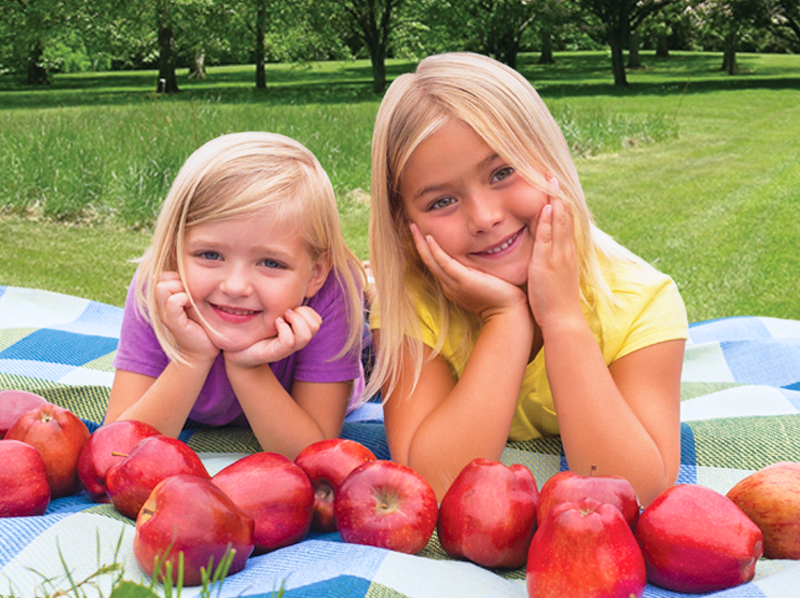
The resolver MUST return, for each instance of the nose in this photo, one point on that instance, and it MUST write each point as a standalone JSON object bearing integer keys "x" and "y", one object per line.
{"x": 483, "y": 214}
{"x": 236, "y": 282}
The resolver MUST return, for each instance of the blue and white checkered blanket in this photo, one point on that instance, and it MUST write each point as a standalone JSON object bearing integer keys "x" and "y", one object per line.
{"x": 740, "y": 411}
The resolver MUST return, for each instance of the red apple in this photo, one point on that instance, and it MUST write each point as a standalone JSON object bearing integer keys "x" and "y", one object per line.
{"x": 14, "y": 403}
{"x": 385, "y": 504}
{"x": 568, "y": 486}
{"x": 488, "y": 514}
{"x": 155, "y": 458}
{"x": 695, "y": 540}
{"x": 327, "y": 463}
{"x": 24, "y": 489}
{"x": 275, "y": 492}
{"x": 104, "y": 448}
{"x": 190, "y": 515}
{"x": 771, "y": 498}
{"x": 585, "y": 549}
{"x": 59, "y": 436}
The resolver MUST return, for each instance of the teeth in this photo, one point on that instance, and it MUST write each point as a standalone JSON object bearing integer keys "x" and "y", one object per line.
{"x": 236, "y": 312}
{"x": 504, "y": 245}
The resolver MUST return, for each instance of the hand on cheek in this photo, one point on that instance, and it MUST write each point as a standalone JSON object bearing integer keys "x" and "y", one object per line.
{"x": 176, "y": 311}
{"x": 553, "y": 273}
{"x": 295, "y": 329}
{"x": 477, "y": 292}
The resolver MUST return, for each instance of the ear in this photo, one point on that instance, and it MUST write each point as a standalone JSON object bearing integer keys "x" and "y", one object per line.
{"x": 319, "y": 274}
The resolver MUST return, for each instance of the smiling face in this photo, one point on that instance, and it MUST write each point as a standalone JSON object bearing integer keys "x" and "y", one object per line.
{"x": 479, "y": 209}
{"x": 243, "y": 273}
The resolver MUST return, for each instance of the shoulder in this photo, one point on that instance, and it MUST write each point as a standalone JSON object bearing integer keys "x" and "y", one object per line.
{"x": 647, "y": 307}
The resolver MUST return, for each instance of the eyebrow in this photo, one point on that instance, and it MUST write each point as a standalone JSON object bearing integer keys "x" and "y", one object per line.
{"x": 434, "y": 188}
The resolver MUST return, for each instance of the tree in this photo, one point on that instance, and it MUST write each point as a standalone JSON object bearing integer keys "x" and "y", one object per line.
{"x": 784, "y": 21}
{"x": 728, "y": 20}
{"x": 372, "y": 21}
{"x": 620, "y": 18}
{"x": 27, "y": 28}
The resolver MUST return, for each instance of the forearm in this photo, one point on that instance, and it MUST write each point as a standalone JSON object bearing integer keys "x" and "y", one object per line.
{"x": 598, "y": 426}
{"x": 166, "y": 403}
{"x": 474, "y": 418}
{"x": 279, "y": 424}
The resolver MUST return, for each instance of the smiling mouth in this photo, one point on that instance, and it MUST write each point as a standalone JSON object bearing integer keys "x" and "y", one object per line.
{"x": 505, "y": 245}
{"x": 234, "y": 312}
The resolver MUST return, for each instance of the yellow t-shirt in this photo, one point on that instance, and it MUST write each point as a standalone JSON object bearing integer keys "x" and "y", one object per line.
{"x": 649, "y": 311}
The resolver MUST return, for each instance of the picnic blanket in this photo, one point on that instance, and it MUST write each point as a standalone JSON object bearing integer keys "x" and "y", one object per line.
{"x": 740, "y": 412}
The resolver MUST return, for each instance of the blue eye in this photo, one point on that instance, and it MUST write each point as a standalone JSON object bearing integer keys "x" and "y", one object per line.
{"x": 441, "y": 203}
{"x": 210, "y": 255}
{"x": 272, "y": 264}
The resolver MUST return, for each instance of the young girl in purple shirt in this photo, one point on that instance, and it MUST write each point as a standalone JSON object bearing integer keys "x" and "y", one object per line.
{"x": 247, "y": 308}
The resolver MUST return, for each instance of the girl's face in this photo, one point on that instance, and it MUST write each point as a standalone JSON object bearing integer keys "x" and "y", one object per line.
{"x": 477, "y": 207}
{"x": 243, "y": 273}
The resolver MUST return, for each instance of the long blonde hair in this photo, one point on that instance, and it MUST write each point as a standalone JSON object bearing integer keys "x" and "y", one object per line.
{"x": 504, "y": 109}
{"x": 234, "y": 176}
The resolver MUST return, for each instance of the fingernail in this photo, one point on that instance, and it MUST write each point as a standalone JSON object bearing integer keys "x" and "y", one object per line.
{"x": 289, "y": 311}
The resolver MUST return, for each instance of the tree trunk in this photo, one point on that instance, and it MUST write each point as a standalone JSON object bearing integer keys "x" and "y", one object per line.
{"x": 616, "y": 39}
{"x": 37, "y": 74}
{"x": 546, "y": 57}
{"x": 378, "y": 59}
{"x": 167, "y": 81}
{"x": 729, "y": 54}
{"x": 662, "y": 45}
{"x": 198, "y": 70}
{"x": 261, "y": 29}
{"x": 634, "y": 62}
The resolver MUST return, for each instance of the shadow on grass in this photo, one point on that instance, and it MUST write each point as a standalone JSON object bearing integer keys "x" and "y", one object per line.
{"x": 574, "y": 75}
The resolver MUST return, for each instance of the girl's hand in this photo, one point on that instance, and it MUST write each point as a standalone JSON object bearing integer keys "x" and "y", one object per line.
{"x": 553, "y": 276}
{"x": 295, "y": 329}
{"x": 477, "y": 292}
{"x": 176, "y": 311}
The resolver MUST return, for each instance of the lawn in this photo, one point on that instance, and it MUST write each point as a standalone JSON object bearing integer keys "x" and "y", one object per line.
{"x": 710, "y": 197}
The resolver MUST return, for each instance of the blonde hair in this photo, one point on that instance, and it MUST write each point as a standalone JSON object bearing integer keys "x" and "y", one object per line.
{"x": 504, "y": 109}
{"x": 234, "y": 176}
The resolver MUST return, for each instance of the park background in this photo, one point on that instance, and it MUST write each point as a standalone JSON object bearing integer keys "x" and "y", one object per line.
{"x": 683, "y": 116}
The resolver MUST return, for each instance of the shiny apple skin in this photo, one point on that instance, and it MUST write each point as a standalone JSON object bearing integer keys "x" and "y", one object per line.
{"x": 190, "y": 515}
{"x": 327, "y": 463}
{"x": 24, "y": 490}
{"x": 585, "y": 549}
{"x": 695, "y": 540}
{"x": 771, "y": 498}
{"x": 388, "y": 505}
{"x": 568, "y": 486}
{"x": 155, "y": 458}
{"x": 488, "y": 514}
{"x": 59, "y": 436}
{"x": 275, "y": 492}
{"x": 97, "y": 455}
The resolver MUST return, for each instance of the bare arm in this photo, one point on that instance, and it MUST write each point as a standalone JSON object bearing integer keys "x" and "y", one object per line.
{"x": 163, "y": 402}
{"x": 442, "y": 425}
{"x": 623, "y": 418}
{"x": 284, "y": 423}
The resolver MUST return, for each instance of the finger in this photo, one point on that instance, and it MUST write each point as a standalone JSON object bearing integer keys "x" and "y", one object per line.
{"x": 311, "y": 318}
{"x": 425, "y": 253}
{"x": 301, "y": 328}
{"x": 543, "y": 243}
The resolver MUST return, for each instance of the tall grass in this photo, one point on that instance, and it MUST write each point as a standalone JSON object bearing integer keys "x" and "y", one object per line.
{"x": 696, "y": 171}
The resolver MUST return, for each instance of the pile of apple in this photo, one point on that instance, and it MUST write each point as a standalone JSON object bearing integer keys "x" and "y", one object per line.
{"x": 579, "y": 536}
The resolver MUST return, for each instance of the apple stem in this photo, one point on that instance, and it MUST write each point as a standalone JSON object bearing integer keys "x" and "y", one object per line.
{"x": 594, "y": 469}
{"x": 116, "y": 454}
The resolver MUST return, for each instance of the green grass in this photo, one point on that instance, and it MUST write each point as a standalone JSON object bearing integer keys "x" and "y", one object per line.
{"x": 694, "y": 170}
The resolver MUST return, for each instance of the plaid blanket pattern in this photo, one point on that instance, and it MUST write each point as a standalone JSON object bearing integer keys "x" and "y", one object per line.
{"x": 740, "y": 411}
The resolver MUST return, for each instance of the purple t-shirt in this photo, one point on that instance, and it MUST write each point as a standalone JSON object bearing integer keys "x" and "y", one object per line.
{"x": 139, "y": 351}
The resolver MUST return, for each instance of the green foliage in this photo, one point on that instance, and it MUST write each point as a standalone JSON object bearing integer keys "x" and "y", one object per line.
{"x": 712, "y": 206}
